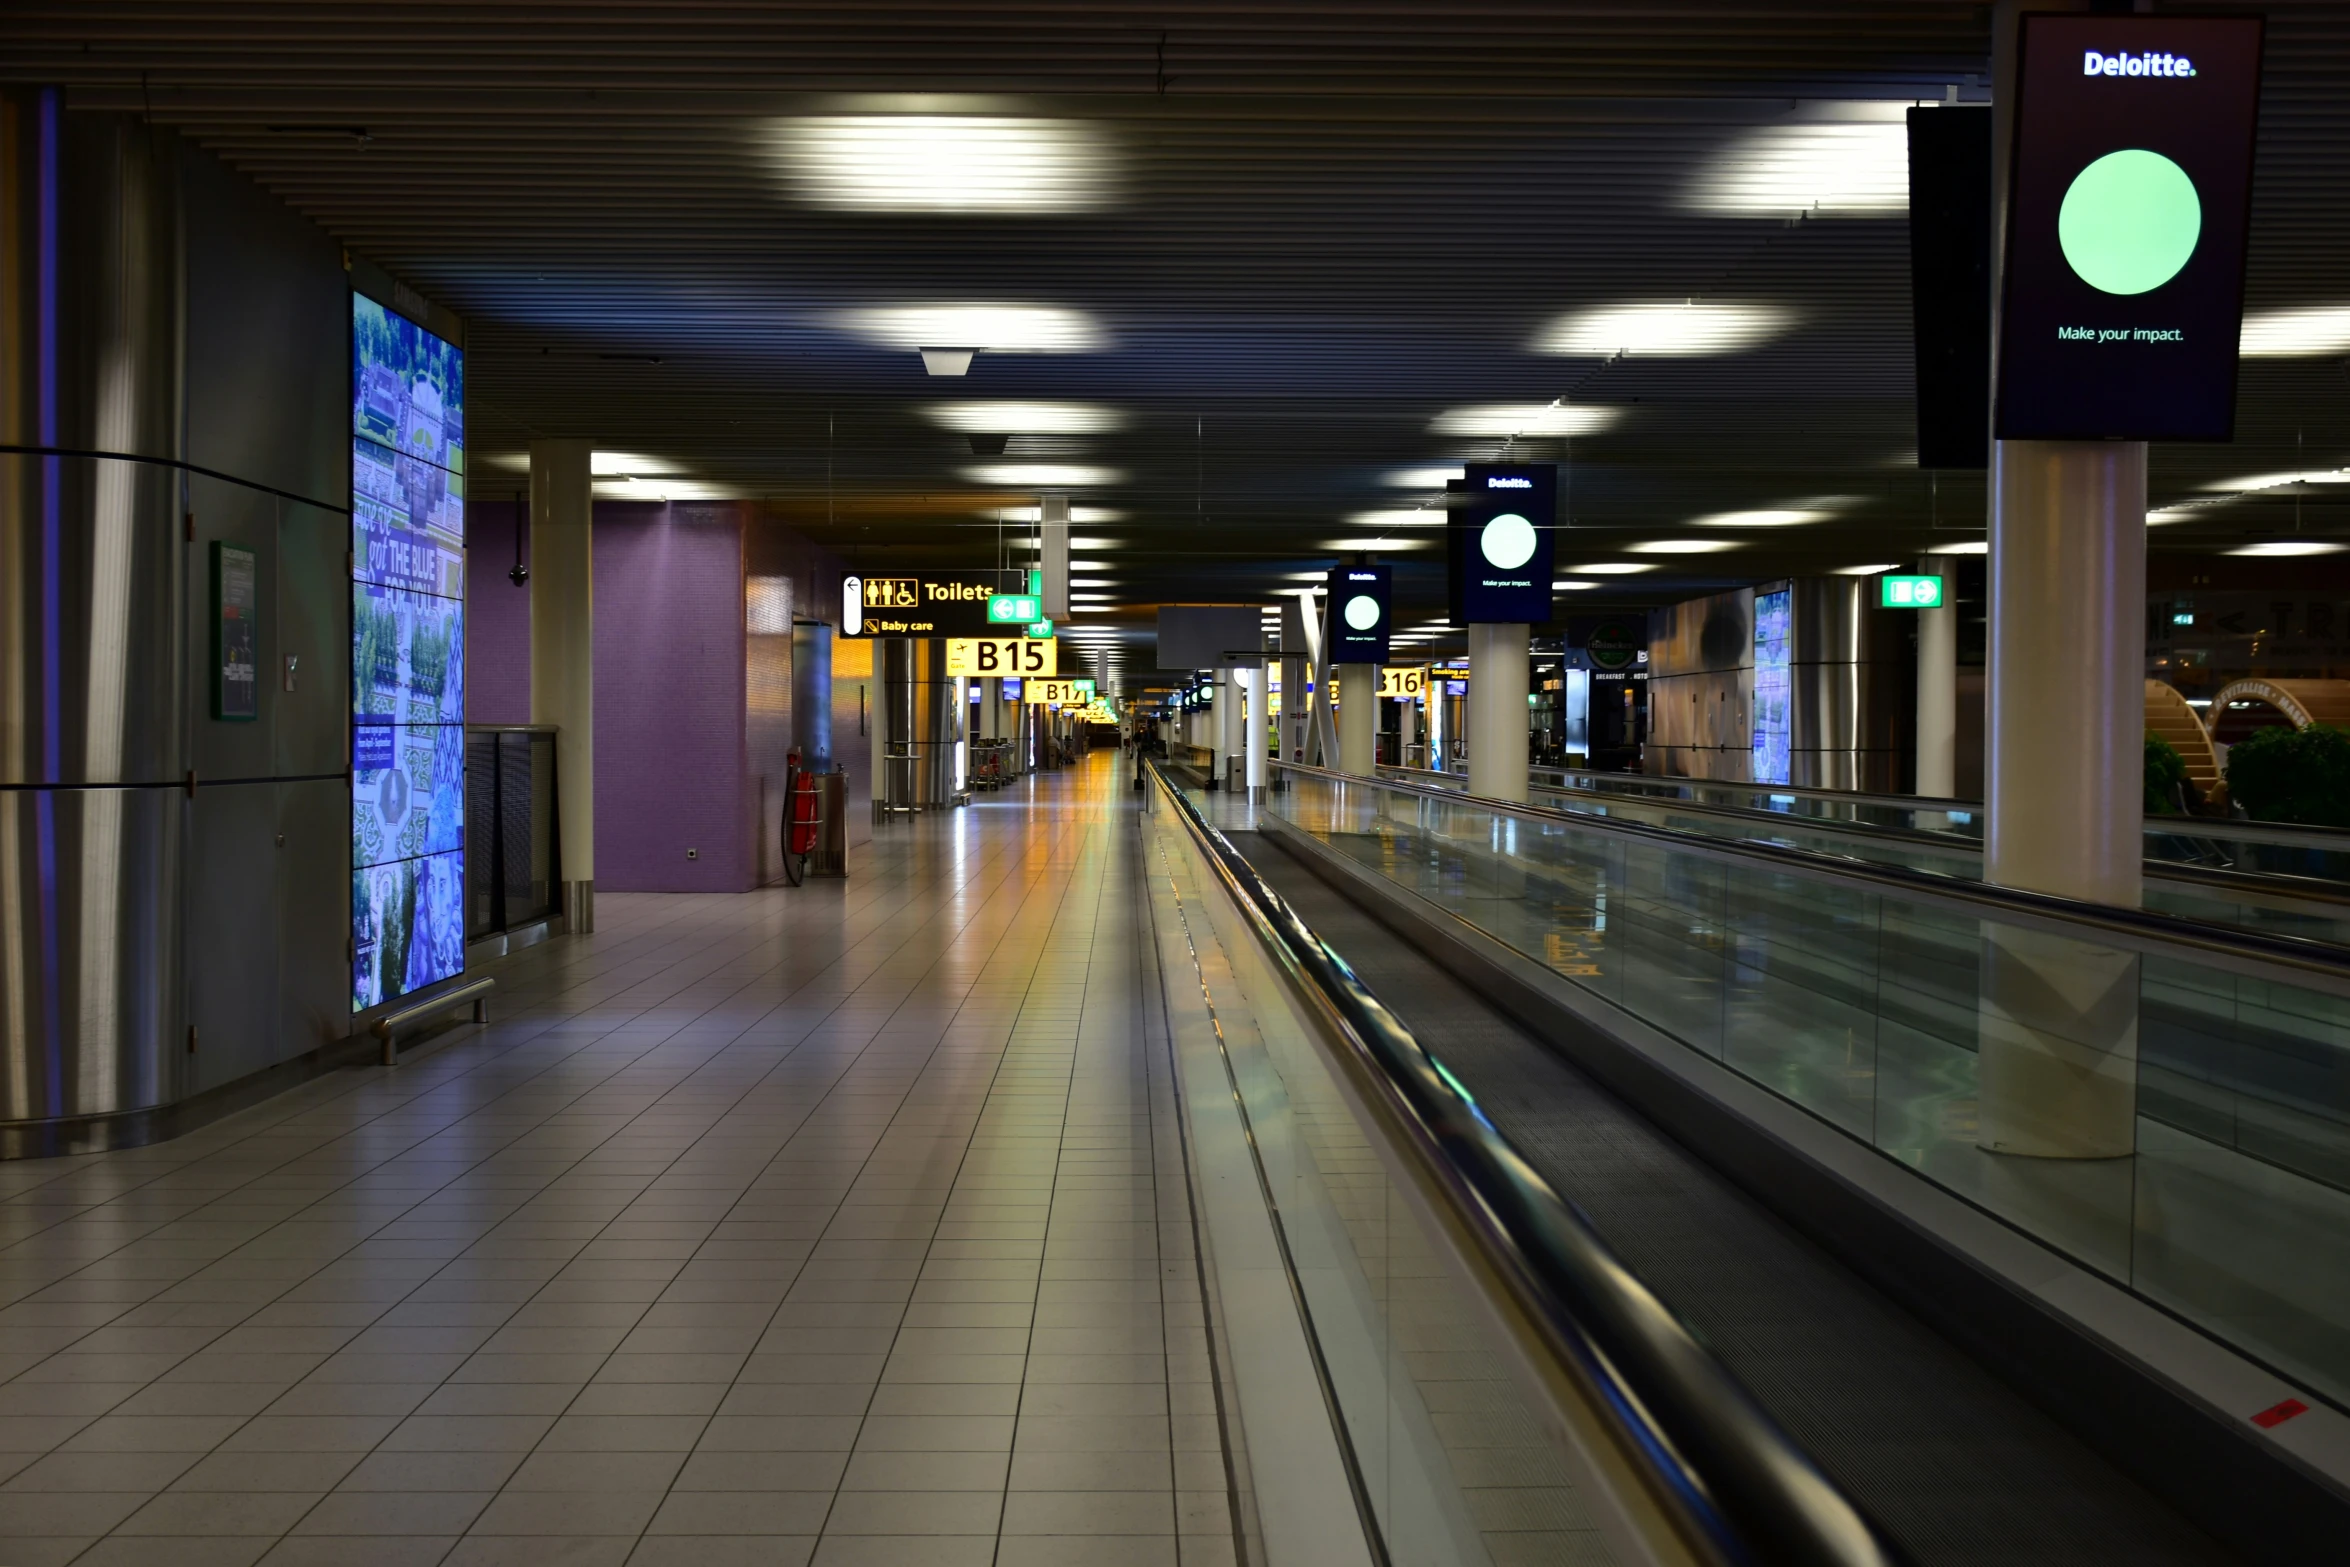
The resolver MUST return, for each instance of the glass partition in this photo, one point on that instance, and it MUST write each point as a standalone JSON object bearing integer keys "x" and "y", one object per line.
{"x": 2219, "y": 1103}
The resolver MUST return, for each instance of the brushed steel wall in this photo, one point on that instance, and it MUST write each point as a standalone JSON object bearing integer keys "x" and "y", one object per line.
{"x": 1701, "y": 687}
{"x": 920, "y": 726}
{"x": 93, "y": 743}
{"x": 166, "y": 880}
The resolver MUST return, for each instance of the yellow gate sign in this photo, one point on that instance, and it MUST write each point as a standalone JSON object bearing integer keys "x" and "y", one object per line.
{"x": 1068, "y": 693}
{"x": 1406, "y": 683}
{"x": 990, "y": 658}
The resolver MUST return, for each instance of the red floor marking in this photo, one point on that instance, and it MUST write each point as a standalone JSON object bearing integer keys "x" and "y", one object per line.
{"x": 2277, "y": 1414}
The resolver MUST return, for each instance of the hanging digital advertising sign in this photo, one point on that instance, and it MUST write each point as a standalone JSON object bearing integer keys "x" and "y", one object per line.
{"x": 407, "y": 656}
{"x": 1361, "y": 609}
{"x": 1499, "y": 540}
{"x": 2129, "y": 196}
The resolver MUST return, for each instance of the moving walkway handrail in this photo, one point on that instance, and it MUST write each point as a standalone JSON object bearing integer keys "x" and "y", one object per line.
{"x": 2313, "y": 965}
{"x": 1728, "y": 1482}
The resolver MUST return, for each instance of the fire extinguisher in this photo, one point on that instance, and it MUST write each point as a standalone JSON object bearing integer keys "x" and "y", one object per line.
{"x": 802, "y": 814}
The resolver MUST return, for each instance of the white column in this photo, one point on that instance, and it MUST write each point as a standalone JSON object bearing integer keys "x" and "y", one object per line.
{"x": 1937, "y": 743}
{"x": 2064, "y": 761}
{"x": 1407, "y": 732}
{"x": 1358, "y": 720}
{"x": 1499, "y": 679}
{"x": 1252, "y": 733}
{"x": 563, "y": 652}
{"x": 1227, "y": 727}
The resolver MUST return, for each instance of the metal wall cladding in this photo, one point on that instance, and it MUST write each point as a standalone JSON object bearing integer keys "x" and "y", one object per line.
{"x": 1702, "y": 636}
{"x": 1853, "y": 678}
{"x": 1701, "y": 687}
{"x": 90, "y": 975}
{"x": 920, "y": 724}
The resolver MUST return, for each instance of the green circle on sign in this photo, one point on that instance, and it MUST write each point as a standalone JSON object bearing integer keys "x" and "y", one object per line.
{"x": 2129, "y": 221}
{"x": 1507, "y": 542}
{"x": 1362, "y": 612}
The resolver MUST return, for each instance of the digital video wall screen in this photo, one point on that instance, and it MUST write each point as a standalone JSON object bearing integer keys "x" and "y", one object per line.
{"x": 407, "y": 656}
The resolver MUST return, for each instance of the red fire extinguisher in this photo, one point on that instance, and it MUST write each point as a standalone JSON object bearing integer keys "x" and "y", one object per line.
{"x": 803, "y": 812}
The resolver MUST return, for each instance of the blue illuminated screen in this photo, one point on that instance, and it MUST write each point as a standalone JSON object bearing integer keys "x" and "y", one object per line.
{"x": 407, "y": 656}
{"x": 1772, "y": 612}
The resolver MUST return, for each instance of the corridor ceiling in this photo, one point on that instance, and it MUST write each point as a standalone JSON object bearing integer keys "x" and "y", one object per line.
{"x": 1254, "y": 276}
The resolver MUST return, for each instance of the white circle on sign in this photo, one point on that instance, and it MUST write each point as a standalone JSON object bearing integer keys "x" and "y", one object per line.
{"x": 1507, "y": 542}
{"x": 1362, "y": 612}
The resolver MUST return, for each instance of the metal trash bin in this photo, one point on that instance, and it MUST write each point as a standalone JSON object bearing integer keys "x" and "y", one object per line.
{"x": 830, "y": 856}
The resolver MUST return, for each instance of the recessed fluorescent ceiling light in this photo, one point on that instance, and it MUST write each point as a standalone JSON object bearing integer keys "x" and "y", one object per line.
{"x": 1682, "y": 546}
{"x": 1572, "y": 585}
{"x": 601, "y": 463}
{"x": 1758, "y": 519}
{"x": 1040, "y": 473}
{"x": 2287, "y": 547}
{"x": 1380, "y": 544}
{"x": 1423, "y": 517}
{"x": 1522, "y": 419}
{"x": 1825, "y": 166}
{"x": 946, "y": 163}
{"x": 1866, "y": 571}
{"x": 1027, "y": 418}
{"x": 1682, "y": 329}
{"x": 2285, "y": 333}
{"x": 1970, "y": 547}
{"x": 1613, "y": 568}
{"x": 1091, "y": 582}
{"x": 1421, "y": 478}
{"x": 999, "y": 329}
{"x": 2277, "y": 481}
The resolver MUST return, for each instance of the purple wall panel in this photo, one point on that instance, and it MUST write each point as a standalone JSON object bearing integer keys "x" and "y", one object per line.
{"x": 671, "y": 764}
{"x": 497, "y": 619}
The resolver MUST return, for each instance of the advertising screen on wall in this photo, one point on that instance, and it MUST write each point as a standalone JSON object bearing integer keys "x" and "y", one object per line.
{"x": 2129, "y": 194}
{"x": 1773, "y": 728}
{"x": 407, "y": 656}
{"x": 1499, "y": 541}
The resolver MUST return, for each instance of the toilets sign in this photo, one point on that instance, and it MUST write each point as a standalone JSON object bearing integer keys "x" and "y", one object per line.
{"x": 927, "y": 605}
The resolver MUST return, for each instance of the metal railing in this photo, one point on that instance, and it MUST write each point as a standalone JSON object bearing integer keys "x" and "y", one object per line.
{"x": 513, "y": 871}
{"x": 1692, "y": 1468}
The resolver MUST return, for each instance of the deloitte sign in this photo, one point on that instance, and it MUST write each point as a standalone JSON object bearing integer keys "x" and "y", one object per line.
{"x": 2128, "y": 201}
{"x": 1360, "y": 600}
{"x": 1499, "y": 542}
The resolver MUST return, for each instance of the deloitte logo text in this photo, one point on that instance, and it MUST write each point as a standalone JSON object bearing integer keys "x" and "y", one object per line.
{"x": 1508, "y": 483}
{"x": 2095, "y": 64}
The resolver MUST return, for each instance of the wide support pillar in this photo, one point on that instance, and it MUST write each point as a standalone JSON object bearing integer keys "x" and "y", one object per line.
{"x": 1498, "y": 684}
{"x": 1358, "y": 723}
{"x": 1226, "y": 708}
{"x": 563, "y": 652}
{"x": 1252, "y": 730}
{"x": 2064, "y": 766}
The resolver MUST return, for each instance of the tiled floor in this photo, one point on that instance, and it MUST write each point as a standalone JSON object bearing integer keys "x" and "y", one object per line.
{"x": 846, "y": 1223}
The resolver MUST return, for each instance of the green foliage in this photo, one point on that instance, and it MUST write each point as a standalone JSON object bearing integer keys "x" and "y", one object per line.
{"x": 2166, "y": 777}
{"x": 2293, "y": 775}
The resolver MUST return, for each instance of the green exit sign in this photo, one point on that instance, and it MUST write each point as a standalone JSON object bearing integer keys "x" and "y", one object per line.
{"x": 1014, "y": 609}
{"x": 1040, "y": 629}
{"x": 1909, "y": 592}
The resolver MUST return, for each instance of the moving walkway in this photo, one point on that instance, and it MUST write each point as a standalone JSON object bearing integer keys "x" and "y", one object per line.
{"x": 1739, "y": 1080}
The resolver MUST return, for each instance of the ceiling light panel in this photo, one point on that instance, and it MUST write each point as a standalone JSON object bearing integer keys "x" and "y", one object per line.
{"x": 1857, "y": 166}
{"x": 1613, "y": 568}
{"x": 1421, "y": 478}
{"x": 1537, "y": 419}
{"x": 603, "y": 463}
{"x": 1406, "y": 542}
{"x": 2278, "y": 547}
{"x": 1421, "y": 517}
{"x": 946, "y": 163}
{"x": 1758, "y": 519}
{"x": 997, "y": 328}
{"x": 1012, "y": 418}
{"x": 1966, "y": 547}
{"x": 1683, "y": 546}
{"x": 1041, "y": 474}
{"x": 1866, "y": 571}
{"x": 1572, "y": 585}
{"x": 2295, "y": 333}
{"x": 1668, "y": 330}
